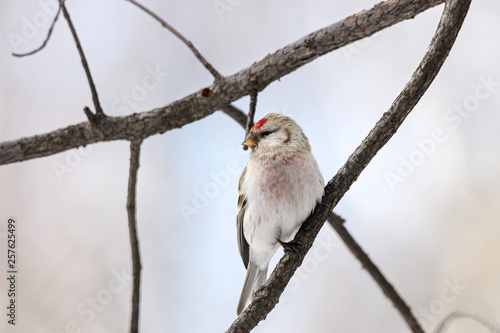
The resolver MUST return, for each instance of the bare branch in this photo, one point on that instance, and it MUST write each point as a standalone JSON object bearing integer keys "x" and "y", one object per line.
{"x": 135, "y": 147}
{"x": 230, "y": 110}
{"x": 489, "y": 324}
{"x": 251, "y": 111}
{"x": 268, "y": 295}
{"x": 177, "y": 34}
{"x": 46, "y": 38}
{"x": 376, "y": 274}
{"x": 239, "y": 116}
{"x": 197, "y": 106}
{"x": 98, "y": 109}
{"x": 251, "y": 114}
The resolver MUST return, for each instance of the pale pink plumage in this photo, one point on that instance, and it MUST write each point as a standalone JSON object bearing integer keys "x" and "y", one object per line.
{"x": 278, "y": 189}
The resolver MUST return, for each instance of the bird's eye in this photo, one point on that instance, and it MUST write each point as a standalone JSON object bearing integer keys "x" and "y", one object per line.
{"x": 266, "y": 133}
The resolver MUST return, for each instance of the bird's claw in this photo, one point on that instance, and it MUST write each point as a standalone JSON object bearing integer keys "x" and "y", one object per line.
{"x": 292, "y": 247}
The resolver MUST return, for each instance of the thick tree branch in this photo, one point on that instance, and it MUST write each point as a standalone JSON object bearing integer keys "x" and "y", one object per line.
{"x": 199, "y": 105}
{"x": 372, "y": 269}
{"x": 267, "y": 296}
{"x": 95, "y": 98}
{"x": 135, "y": 147}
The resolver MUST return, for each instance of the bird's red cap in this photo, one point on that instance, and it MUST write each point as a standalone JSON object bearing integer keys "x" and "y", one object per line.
{"x": 259, "y": 124}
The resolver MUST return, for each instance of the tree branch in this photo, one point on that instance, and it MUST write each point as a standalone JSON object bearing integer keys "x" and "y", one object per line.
{"x": 46, "y": 38}
{"x": 177, "y": 34}
{"x": 239, "y": 116}
{"x": 268, "y": 295}
{"x": 230, "y": 110}
{"x": 372, "y": 269}
{"x": 135, "y": 147}
{"x": 95, "y": 98}
{"x": 251, "y": 111}
{"x": 251, "y": 114}
{"x": 197, "y": 106}
{"x": 489, "y": 324}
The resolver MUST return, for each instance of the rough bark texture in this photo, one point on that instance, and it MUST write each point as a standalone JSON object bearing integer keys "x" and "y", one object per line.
{"x": 267, "y": 297}
{"x": 222, "y": 92}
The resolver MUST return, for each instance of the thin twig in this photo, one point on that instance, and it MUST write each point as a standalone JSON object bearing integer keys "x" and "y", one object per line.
{"x": 46, "y": 38}
{"x": 251, "y": 114}
{"x": 98, "y": 109}
{"x": 135, "y": 147}
{"x": 239, "y": 116}
{"x": 197, "y": 54}
{"x": 376, "y": 274}
{"x": 489, "y": 324}
{"x": 251, "y": 111}
{"x": 195, "y": 107}
{"x": 268, "y": 295}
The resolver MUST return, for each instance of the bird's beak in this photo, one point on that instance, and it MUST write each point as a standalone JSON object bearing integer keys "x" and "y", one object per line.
{"x": 250, "y": 143}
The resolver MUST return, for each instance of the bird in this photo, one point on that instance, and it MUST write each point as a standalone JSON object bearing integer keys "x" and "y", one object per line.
{"x": 278, "y": 189}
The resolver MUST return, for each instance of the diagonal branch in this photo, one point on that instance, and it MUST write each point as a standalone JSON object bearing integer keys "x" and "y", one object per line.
{"x": 177, "y": 34}
{"x": 376, "y": 274}
{"x": 239, "y": 116}
{"x": 337, "y": 223}
{"x": 46, "y": 38}
{"x": 267, "y": 297}
{"x": 95, "y": 98}
{"x": 135, "y": 147}
{"x": 197, "y": 106}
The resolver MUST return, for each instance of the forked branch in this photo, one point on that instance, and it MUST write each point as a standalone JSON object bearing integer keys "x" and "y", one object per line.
{"x": 177, "y": 34}
{"x": 197, "y": 106}
{"x": 99, "y": 114}
{"x": 267, "y": 297}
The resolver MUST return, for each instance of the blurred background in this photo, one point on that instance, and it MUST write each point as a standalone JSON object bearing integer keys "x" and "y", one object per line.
{"x": 426, "y": 209}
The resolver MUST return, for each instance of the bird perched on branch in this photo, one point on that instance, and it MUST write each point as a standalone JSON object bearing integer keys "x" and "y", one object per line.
{"x": 278, "y": 189}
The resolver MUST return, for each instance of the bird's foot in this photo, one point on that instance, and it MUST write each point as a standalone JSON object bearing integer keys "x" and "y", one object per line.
{"x": 292, "y": 247}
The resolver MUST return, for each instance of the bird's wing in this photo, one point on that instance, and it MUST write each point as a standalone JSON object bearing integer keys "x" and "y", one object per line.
{"x": 242, "y": 205}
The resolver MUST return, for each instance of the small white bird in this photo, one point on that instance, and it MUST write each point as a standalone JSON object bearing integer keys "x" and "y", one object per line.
{"x": 278, "y": 189}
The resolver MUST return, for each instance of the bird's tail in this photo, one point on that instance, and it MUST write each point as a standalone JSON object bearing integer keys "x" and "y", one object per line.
{"x": 255, "y": 278}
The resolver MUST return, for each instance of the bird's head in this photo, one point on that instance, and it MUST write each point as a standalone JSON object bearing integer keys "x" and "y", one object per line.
{"x": 276, "y": 134}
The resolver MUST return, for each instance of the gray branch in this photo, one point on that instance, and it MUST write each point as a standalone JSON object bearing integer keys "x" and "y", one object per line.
{"x": 338, "y": 224}
{"x": 135, "y": 147}
{"x": 239, "y": 116}
{"x": 268, "y": 295}
{"x": 177, "y": 34}
{"x": 222, "y": 92}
